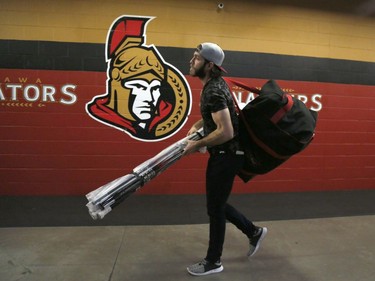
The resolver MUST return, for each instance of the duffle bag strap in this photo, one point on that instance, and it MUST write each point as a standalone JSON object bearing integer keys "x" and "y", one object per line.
{"x": 242, "y": 85}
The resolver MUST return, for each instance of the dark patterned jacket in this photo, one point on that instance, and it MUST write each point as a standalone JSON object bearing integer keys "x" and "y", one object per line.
{"x": 216, "y": 96}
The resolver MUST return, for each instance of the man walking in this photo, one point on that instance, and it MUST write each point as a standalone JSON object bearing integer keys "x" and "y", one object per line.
{"x": 220, "y": 124}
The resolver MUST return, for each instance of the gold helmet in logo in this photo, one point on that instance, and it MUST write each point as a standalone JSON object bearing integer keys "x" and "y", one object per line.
{"x": 130, "y": 64}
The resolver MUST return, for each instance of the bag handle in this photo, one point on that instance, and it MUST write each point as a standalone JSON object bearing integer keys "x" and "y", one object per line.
{"x": 282, "y": 111}
{"x": 261, "y": 144}
{"x": 279, "y": 114}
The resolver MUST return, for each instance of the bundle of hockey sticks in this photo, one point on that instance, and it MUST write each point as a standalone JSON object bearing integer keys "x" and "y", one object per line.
{"x": 108, "y": 196}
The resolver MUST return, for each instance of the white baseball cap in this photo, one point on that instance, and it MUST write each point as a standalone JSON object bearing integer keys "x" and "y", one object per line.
{"x": 213, "y": 53}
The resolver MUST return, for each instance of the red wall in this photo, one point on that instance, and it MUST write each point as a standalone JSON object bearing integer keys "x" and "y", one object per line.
{"x": 52, "y": 148}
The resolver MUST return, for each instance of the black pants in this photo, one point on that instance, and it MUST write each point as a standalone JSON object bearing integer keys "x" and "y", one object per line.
{"x": 220, "y": 174}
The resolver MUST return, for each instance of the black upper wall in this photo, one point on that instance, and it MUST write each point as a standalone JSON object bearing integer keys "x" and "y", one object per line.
{"x": 44, "y": 55}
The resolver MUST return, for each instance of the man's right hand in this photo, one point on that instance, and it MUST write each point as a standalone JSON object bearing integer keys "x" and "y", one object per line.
{"x": 192, "y": 131}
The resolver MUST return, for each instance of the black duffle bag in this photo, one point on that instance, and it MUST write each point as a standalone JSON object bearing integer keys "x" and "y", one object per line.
{"x": 273, "y": 127}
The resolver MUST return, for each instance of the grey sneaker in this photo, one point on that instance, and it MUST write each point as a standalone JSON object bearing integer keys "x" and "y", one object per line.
{"x": 204, "y": 268}
{"x": 254, "y": 242}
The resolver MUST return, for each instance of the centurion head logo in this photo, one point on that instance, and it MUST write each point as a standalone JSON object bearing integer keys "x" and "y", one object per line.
{"x": 146, "y": 97}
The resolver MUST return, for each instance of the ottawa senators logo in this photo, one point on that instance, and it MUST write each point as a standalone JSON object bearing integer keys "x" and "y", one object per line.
{"x": 146, "y": 97}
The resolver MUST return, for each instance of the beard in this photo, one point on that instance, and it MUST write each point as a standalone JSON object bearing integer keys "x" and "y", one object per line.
{"x": 200, "y": 73}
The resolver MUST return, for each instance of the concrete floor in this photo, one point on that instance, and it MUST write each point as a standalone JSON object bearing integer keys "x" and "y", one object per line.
{"x": 332, "y": 249}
